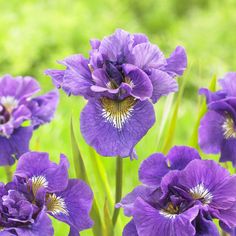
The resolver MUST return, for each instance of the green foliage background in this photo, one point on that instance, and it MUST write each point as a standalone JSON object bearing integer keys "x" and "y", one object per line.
{"x": 35, "y": 34}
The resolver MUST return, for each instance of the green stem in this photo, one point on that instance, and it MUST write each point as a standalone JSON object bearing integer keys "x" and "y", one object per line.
{"x": 8, "y": 173}
{"x": 119, "y": 177}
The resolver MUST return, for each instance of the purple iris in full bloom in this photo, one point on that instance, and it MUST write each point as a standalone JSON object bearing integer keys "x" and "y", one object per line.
{"x": 41, "y": 188}
{"x": 180, "y": 196}
{"x": 123, "y": 76}
{"x": 217, "y": 131}
{"x": 17, "y": 106}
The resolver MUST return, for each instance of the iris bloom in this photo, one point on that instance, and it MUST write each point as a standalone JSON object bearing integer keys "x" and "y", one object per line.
{"x": 217, "y": 131}
{"x": 42, "y": 188}
{"x": 180, "y": 196}
{"x": 17, "y": 106}
{"x": 123, "y": 76}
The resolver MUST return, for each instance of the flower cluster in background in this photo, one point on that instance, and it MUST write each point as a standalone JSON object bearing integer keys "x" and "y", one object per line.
{"x": 123, "y": 76}
{"x": 18, "y": 106}
{"x": 41, "y": 188}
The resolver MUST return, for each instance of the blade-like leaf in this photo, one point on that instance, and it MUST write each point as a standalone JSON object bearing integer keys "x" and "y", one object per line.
{"x": 172, "y": 125}
{"x": 80, "y": 171}
{"x": 202, "y": 111}
{"x": 109, "y": 229}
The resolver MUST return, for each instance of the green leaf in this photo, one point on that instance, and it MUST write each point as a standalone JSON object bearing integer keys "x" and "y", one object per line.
{"x": 203, "y": 108}
{"x": 109, "y": 229}
{"x": 80, "y": 171}
{"x": 172, "y": 125}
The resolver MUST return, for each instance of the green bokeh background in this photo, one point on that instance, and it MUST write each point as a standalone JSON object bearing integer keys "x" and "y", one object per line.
{"x": 35, "y": 34}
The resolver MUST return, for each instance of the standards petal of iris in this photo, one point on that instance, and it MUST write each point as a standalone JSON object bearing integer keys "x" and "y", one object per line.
{"x": 117, "y": 46}
{"x": 211, "y": 132}
{"x": 153, "y": 169}
{"x": 76, "y": 79}
{"x": 147, "y": 56}
{"x": 163, "y": 84}
{"x": 139, "y": 82}
{"x": 19, "y": 87}
{"x": 113, "y": 128}
{"x": 42, "y": 172}
{"x": 43, "y": 108}
{"x": 177, "y": 62}
{"x": 13, "y": 147}
{"x": 228, "y": 83}
{"x": 180, "y": 156}
{"x": 76, "y": 201}
{"x": 152, "y": 222}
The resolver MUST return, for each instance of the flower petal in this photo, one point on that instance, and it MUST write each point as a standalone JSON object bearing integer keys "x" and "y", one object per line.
{"x": 112, "y": 127}
{"x": 130, "y": 229}
{"x": 148, "y": 56}
{"x": 43, "y": 108}
{"x": 180, "y": 156}
{"x": 149, "y": 221}
{"x": 78, "y": 199}
{"x": 228, "y": 83}
{"x": 19, "y": 87}
{"x": 228, "y": 151}
{"x": 153, "y": 169}
{"x": 177, "y": 62}
{"x": 163, "y": 84}
{"x": 16, "y": 145}
{"x": 141, "y": 84}
{"x": 42, "y": 172}
{"x": 210, "y": 132}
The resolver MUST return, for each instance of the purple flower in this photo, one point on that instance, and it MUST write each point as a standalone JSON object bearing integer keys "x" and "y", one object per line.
{"x": 47, "y": 184}
{"x": 123, "y": 76}
{"x": 217, "y": 132}
{"x": 17, "y": 106}
{"x": 19, "y": 216}
{"x": 182, "y": 200}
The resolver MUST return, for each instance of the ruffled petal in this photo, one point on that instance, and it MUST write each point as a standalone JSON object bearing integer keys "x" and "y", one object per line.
{"x": 148, "y": 56}
{"x": 163, "y": 84}
{"x": 140, "y": 83}
{"x": 112, "y": 127}
{"x": 228, "y": 83}
{"x": 177, "y": 62}
{"x": 19, "y": 87}
{"x": 43, "y": 108}
{"x": 15, "y": 146}
{"x": 210, "y": 135}
{"x": 139, "y": 38}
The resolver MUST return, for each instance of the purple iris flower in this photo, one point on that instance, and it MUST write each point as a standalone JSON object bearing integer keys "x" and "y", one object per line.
{"x": 217, "y": 131}
{"x": 180, "y": 196}
{"x": 42, "y": 188}
{"x": 123, "y": 76}
{"x": 17, "y": 106}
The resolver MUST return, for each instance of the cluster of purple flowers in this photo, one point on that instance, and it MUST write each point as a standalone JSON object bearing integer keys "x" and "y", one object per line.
{"x": 181, "y": 195}
{"x": 123, "y": 76}
{"x": 16, "y": 107}
{"x": 41, "y": 188}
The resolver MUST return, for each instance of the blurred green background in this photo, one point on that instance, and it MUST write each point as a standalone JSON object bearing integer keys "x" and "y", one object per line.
{"x": 35, "y": 34}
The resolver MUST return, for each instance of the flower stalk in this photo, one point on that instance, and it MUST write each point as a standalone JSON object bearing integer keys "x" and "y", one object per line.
{"x": 119, "y": 180}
